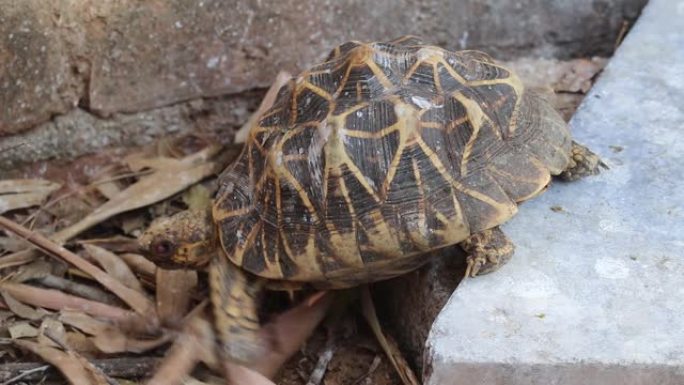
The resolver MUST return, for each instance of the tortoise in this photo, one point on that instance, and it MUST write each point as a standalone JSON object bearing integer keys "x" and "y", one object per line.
{"x": 364, "y": 164}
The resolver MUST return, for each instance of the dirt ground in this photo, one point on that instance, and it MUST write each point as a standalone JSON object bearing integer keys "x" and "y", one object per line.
{"x": 77, "y": 192}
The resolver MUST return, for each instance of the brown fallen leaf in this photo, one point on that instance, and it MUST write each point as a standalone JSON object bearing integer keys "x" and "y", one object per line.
{"x": 174, "y": 293}
{"x": 170, "y": 177}
{"x": 21, "y": 193}
{"x": 114, "y": 266}
{"x": 112, "y": 341}
{"x": 134, "y": 299}
{"x": 74, "y": 367}
{"x": 57, "y": 300}
{"x": 22, "y": 330}
{"x": 109, "y": 338}
{"x": 194, "y": 344}
{"x": 21, "y": 309}
{"x": 139, "y": 264}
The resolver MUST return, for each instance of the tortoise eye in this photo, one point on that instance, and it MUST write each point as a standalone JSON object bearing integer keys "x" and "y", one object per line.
{"x": 163, "y": 248}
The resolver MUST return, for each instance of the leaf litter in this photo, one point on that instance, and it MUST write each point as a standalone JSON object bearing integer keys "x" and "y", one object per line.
{"x": 76, "y": 294}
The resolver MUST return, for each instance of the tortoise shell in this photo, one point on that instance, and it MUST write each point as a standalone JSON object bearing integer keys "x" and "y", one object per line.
{"x": 384, "y": 151}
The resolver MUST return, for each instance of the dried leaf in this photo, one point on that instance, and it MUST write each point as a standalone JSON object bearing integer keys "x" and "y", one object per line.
{"x": 139, "y": 264}
{"x": 170, "y": 177}
{"x": 83, "y": 322}
{"x": 52, "y": 333}
{"x": 71, "y": 286}
{"x": 74, "y": 367}
{"x": 134, "y": 299}
{"x": 22, "y": 310}
{"x": 22, "y": 330}
{"x": 115, "y": 267}
{"x": 174, "y": 292}
{"x": 53, "y": 299}
{"x": 34, "y": 270}
{"x": 115, "y": 244}
{"x": 18, "y": 258}
{"x": 113, "y": 341}
{"x": 194, "y": 344}
{"x": 21, "y": 193}
{"x": 12, "y": 244}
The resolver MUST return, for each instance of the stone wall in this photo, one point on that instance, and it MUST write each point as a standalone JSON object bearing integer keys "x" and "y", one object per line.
{"x": 91, "y": 61}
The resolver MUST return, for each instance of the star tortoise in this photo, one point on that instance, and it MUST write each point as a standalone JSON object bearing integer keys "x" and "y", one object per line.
{"x": 364, "y": 163}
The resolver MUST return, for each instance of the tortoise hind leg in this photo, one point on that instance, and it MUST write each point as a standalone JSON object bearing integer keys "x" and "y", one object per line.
{"x": 234, "y": 297}
{"x": 487, "y": 251}
{"x": 583, "y": 163}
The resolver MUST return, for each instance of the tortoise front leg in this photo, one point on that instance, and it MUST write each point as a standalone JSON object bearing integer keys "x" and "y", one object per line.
{"x": 234, "y": 297}
{"x": 583, "y": 163}
{"x": 487, "y": 251}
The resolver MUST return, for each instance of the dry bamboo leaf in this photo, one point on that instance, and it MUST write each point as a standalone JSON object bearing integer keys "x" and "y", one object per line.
{"x": 18, "y": 258}
{"x": 22, "y": 330}
{"x": 22, "y": 310}
{"x": 115, "y": 267}
{"x": 388, "y": 345}
{"x": 107, "y": 337}
{"x": 56, "y": 300}
{"x": 194, "y": 344}
{"x": 52, "y": 333}
{"x": 21, "y": 193}
{"x": 134, "y": 299}
{"x": 108, "y": 185}
{"x": 70, "y": 286}
{"x": 171, "y": 177}
{"x": 83, "y": 322}
{"x": 115, "y": 244}
{"x": 12, "y": 244}
{"x": 174, "y": 292}
{"x": 139, "y": 264}
{"x": 112, "y": 340}
{"x": 34, "y": 270}
{"x": 81, "y": 343}
{"x": 72, "y": 365}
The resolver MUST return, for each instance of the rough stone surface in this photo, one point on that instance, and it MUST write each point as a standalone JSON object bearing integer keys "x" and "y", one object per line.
{"x": 594, "y": 294}
{"x": 36, "y": 77}
{"x": 129, "y": 56}
{"x": 80, "y": 132}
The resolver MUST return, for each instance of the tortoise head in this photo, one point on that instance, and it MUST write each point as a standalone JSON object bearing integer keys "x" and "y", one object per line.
{"x": 185, "y": 240}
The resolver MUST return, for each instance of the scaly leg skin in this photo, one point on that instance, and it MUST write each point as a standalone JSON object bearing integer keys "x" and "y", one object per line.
{"x": 487, "y": 251}
{"x": 234, "y": 297}
{"x": 583, "y": 163}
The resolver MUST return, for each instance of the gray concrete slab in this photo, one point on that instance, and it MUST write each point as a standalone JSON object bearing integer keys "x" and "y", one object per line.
{"x": 595, "y": 291}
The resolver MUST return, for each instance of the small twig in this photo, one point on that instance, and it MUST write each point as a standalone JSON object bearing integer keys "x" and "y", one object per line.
{"x": 323, "y": 360}
{"x": 388, "y": 345}
{"x": 26, "y": 373}
{"x": 373, "y": 367}
{"x": 124, "y": 367}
